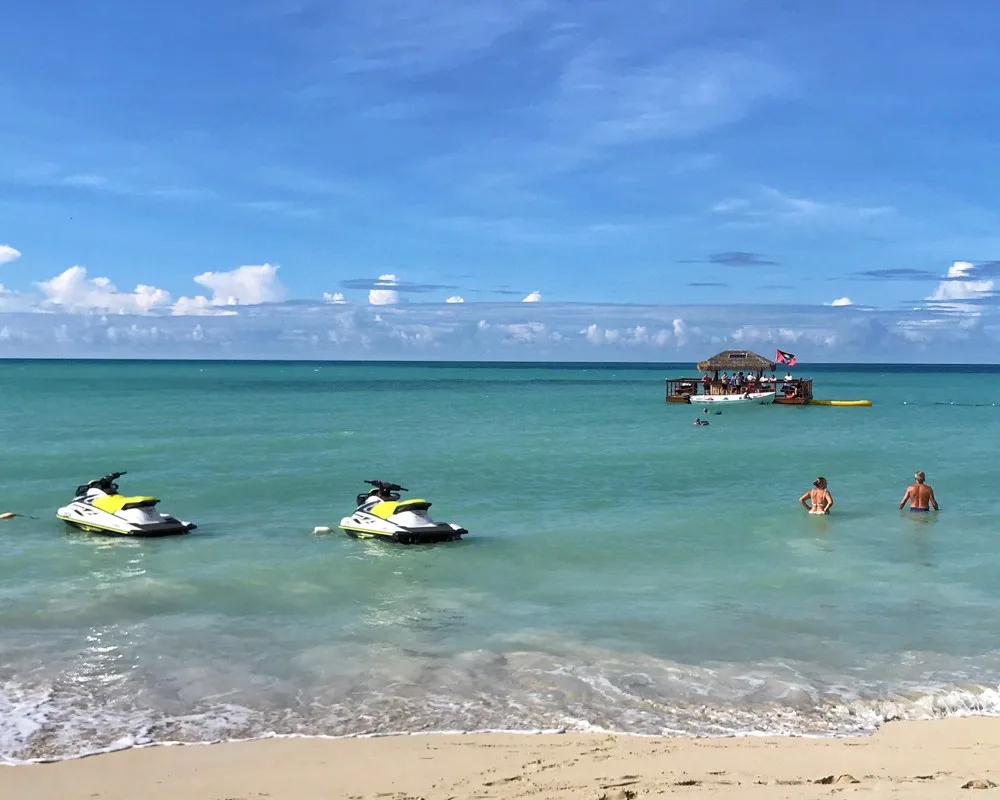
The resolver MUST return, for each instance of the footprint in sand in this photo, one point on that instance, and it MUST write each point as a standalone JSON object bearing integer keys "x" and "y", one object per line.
{"x": 837, "y": 779}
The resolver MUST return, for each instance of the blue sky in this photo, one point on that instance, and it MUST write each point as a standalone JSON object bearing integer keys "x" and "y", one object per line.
{"x": 657, "y": 179}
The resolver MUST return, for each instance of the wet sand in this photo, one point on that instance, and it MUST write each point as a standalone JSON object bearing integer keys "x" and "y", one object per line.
{"x": 940, "y": 758}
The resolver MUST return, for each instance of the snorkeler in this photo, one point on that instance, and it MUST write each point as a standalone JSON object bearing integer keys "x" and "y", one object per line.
{"x": 919, "y": 494}
{"x": 819, "y": 497}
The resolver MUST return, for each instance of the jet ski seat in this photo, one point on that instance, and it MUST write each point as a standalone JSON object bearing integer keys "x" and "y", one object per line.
{"x": 116, "y": 502}
{"x": 387, "y": 508}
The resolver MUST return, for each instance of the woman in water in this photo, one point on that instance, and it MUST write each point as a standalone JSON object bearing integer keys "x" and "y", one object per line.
{"x": 819, "y": 497}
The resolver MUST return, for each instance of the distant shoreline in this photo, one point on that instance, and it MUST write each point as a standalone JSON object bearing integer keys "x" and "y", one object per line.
{"x": 674, "y": 366}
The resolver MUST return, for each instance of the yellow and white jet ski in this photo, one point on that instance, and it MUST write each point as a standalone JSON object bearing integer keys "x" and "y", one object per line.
{"x": 382, "y": 515}
{"x": 98, "y": 507}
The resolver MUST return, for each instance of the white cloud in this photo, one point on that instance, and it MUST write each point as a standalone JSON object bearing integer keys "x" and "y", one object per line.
{"x": 533, "y": 297}
{"x": 413, "y": 37}
{"x": 593, "y": 333}
{"x": 950, "y": 292}
{"x": 455, "y": 299}
{"x": 606, "y": 101}
{"x": 638, "y": 335}
{"x": 680, "y": 332}
{"x": 72, "y": 290}
{"x": 527, "y": 333}
{"x": 842, "y": 301}
{"x": 85, "y": 181}
{"x": 8, "y": 254}
{"x": 560, "y": 331}
{"x": 337, "y": 298}
{"x": 382, "y": 294}
{"x": 768, "y": 205}
{"x": 247, "y": 285}
{"x": 198, "y": 306}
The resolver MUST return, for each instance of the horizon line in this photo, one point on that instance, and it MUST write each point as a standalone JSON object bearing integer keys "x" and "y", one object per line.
{"x": 466, "y": 362}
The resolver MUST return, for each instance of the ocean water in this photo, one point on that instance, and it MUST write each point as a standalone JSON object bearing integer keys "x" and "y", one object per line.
{"x": 625, "y": 570}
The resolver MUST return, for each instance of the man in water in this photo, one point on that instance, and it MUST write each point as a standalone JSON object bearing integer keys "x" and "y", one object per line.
{"x": 919, "y": 494}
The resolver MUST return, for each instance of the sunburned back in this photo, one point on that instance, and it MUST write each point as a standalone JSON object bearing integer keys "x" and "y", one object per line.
{"x": 920, "y": 495}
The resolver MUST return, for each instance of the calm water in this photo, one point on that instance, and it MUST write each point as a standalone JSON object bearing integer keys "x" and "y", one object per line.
{"x": 624, "y": 570}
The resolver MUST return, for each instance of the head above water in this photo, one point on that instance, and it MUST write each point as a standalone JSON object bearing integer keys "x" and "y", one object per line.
{"x": 820, "y": 482}
{"x": 919, "y": 477}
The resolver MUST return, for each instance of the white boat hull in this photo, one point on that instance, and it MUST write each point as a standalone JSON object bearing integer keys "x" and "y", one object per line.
{"x": 751, "y": 398}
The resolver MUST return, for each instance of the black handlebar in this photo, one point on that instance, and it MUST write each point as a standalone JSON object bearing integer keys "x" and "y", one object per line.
{"x": 387, "y": 487}
{"x": 106, "y": 484}
{"x": 107, "y": 478}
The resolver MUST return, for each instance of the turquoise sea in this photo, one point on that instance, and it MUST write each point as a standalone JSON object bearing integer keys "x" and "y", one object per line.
{"x": 625, "y": 570}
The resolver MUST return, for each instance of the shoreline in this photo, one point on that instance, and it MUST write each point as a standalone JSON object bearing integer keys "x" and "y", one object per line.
{"x": 920, "y": 759}
{"x": 29, "y": 741}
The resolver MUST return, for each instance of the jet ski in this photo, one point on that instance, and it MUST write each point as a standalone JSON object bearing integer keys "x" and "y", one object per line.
{"x": 381, "y": 514}
{"x": 98, "y": 507}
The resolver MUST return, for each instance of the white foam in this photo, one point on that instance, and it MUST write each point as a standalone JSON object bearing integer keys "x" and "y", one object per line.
{"x": 478, "y": 691}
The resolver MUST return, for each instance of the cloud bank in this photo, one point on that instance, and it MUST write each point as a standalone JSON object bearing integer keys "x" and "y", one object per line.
{"x": 245, "y": 313}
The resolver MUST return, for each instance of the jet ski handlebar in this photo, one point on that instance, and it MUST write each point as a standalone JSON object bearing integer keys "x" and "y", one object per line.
{"x": 387, "y": 487}
{"x": 105, "y": 484}
{"x": 108, "y": 479}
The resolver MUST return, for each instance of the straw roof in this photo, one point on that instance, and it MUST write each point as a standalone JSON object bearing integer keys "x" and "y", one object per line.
{"x": 734, "y": 361}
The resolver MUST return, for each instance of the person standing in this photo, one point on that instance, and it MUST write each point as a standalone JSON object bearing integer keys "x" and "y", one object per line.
{"x": 920, "y": 495}
{"x": 820, "y": 501}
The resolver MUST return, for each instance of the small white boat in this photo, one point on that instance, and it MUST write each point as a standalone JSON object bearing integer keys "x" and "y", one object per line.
{"x": 732, "y": 399}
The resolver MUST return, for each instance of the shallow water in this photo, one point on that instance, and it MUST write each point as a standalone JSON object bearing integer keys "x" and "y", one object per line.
{"x": 625, "y": 570}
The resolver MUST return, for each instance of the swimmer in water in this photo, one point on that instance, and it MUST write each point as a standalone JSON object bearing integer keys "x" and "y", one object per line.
{"x": 920, "y": 495}
{"x": 819, "y": 497}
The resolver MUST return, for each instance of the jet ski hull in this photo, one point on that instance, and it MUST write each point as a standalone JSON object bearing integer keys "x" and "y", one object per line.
{"x": 87, "y": 518}
{"x": 364, "y": 526}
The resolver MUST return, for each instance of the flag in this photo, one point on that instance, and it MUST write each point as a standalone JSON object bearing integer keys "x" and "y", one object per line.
{"x": 788, "y": 359}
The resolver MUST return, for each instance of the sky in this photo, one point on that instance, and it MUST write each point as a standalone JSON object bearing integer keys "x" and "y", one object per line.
{"x": 592, "y": 180}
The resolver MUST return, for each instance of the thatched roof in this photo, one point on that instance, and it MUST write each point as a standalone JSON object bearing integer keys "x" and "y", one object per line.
{"x": 734, "y": 361}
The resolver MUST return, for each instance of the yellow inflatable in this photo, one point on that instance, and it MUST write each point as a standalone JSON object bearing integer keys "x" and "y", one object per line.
{"x": 840, "y": 402}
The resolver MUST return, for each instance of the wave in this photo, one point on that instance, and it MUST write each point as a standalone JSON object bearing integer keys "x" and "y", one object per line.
{"x": 58, "y": 722}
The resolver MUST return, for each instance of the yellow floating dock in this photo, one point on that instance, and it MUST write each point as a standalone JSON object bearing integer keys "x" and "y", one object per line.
{"x": 852, "y": 403}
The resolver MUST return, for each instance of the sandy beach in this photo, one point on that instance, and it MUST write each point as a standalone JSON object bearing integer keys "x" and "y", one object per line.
{"x": 909, "y": 759}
